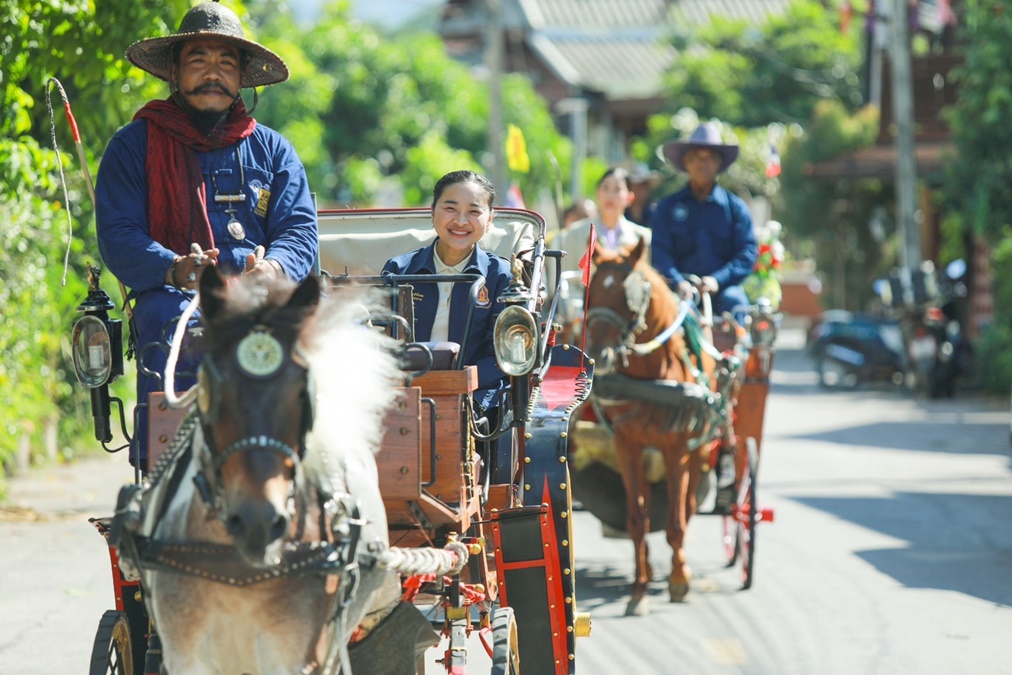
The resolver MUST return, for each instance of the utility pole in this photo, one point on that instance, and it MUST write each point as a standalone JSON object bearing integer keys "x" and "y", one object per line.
{"x": 576, "y": 107}
{"x": 903, "y": 117}
{"x": 493, "y": 60}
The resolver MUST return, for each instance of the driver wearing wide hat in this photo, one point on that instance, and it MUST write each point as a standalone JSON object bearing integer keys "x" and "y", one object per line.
{"x": 194, "y": 181}
{"x": 703, "y": 229}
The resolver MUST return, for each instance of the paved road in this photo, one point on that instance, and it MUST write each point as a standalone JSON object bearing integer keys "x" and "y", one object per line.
{"x": 891, "y": 551}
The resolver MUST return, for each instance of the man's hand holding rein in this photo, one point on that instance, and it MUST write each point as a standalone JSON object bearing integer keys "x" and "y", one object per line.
{"x": 185, "y": 271}
{"x": 257, "y": 265}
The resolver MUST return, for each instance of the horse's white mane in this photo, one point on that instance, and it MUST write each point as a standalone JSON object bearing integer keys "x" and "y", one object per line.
{"x": 355, "y": 376}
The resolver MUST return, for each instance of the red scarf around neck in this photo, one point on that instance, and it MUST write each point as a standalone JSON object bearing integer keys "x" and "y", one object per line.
{"x": 177, "y": 196}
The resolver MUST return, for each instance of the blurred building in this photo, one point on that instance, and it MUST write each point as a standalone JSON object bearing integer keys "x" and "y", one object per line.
{"x": 600, "y": 64}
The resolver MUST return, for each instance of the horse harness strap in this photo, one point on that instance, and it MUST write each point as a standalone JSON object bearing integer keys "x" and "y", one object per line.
{"x": 260, "y": 442}
{"x": 221, "y": 563}
{"x": 140, "y": 509}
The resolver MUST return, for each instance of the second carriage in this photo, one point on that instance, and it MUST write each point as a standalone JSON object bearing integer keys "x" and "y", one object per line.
{"x": 734, "y": 405}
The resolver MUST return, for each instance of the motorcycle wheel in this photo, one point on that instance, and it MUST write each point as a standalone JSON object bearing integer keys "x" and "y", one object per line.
{"x": 835, "y": 375}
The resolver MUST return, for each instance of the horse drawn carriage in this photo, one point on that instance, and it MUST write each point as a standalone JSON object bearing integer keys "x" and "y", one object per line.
{"x": 675, "y": 420}
{"x": 269, "y": 522}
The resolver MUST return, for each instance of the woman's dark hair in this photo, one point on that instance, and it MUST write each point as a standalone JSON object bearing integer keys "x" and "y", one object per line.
{"x": 463, "y": 176}
{"x": 620, "y": 173}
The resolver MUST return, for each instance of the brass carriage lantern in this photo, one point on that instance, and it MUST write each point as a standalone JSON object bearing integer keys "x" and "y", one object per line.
{"x": 515, "y": 335}
{"x": 97, "y": 345}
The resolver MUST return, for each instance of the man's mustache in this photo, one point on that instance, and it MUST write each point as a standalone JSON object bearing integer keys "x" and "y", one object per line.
{"x": 210, "y": 87}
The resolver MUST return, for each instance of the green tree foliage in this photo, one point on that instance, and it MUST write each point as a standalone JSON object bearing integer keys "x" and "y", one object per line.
{"x": 753, "y": 76}
{"x": 979, "y": 185}
{"x": 829, "y": 220}
{"x": 81, "y": 44}
{"x": 389, "y": 111}
{"x": 360, "y": 109}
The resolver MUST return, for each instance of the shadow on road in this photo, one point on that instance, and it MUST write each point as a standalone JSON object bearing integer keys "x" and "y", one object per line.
{"x": 949, "y": 546}
{"x": 920, "y": 435}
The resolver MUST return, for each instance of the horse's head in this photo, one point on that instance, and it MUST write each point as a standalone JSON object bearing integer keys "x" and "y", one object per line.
{"x": 619, "y": 297}
{"x": 256, "y": 405}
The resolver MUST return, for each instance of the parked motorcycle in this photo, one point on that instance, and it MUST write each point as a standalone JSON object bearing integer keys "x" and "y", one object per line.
{"x": 850, "y": 349}
{"x": 927, "y": 306}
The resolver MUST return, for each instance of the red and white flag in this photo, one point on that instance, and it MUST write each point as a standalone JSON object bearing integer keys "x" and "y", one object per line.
{"x": 514, "y": 198}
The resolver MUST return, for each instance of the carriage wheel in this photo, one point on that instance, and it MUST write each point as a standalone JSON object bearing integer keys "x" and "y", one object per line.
{"x": 112, "y": 653}
{"x": 505, "y": 646}
{"x": 747, "y": 514}
{"x": 730, "y": 539}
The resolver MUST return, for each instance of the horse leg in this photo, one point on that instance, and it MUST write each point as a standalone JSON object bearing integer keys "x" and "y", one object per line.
{"x": 630, "y": 458}
{"x": 679, "y": 498}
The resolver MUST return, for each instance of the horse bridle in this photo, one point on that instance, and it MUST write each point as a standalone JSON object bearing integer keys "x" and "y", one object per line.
{"x": 637, "y": 290}
{"x": 209, "y": 480}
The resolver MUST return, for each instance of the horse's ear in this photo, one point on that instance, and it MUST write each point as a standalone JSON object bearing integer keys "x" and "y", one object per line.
{"x": 211, "y": 285}
{"x": 637, "y": 252}
{"x": 306, "y": 295}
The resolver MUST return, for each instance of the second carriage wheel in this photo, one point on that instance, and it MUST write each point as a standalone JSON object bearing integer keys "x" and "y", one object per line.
{"x": 747, "y": 514}
{"x": 730, "y": 539}
{"x": 112, "y": 653}
{"x": 505, "y": 647}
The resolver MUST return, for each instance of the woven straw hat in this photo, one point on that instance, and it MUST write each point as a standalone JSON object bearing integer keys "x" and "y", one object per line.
{"x": 706, "y": 135}
{"x": 209, "y": 20}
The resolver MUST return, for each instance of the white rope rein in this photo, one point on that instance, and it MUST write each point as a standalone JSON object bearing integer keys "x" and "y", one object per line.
{"x": 449, "y": 560}
{"x": 190, "y": 395}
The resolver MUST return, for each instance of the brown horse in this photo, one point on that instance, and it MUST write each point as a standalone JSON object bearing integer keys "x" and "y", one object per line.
{"x": 654, "y": 392}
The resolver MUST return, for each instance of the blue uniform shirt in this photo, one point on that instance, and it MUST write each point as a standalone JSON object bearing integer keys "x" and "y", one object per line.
{"x": 709, "y": 238}
{"x": 480, "y": 350}
{"x": 277, "y": 213}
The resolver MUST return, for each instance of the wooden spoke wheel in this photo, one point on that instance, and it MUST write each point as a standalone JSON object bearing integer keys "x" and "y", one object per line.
{"x": 112, "y": 653}
{"x": 505, "y": 646}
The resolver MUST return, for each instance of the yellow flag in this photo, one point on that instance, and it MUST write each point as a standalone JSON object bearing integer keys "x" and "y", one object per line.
{"x": 516, "y": 150}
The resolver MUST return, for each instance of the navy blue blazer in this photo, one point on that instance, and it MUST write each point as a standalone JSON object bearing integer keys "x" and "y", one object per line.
{"x": 481, "y": 349}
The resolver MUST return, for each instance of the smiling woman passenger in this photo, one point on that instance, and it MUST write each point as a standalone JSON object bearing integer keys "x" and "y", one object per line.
{"x": 461, "y": 214}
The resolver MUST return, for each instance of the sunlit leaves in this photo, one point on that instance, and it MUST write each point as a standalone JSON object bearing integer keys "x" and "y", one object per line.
{"x": 752, "y": 76}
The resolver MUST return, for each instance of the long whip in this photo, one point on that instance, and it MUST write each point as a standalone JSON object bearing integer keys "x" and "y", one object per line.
{"x": 84, "y": 168}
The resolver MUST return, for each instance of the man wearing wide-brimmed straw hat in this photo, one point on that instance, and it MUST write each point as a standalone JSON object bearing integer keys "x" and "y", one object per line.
{"x": 194, "y": 181}
{"x": 703, "y": 229}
